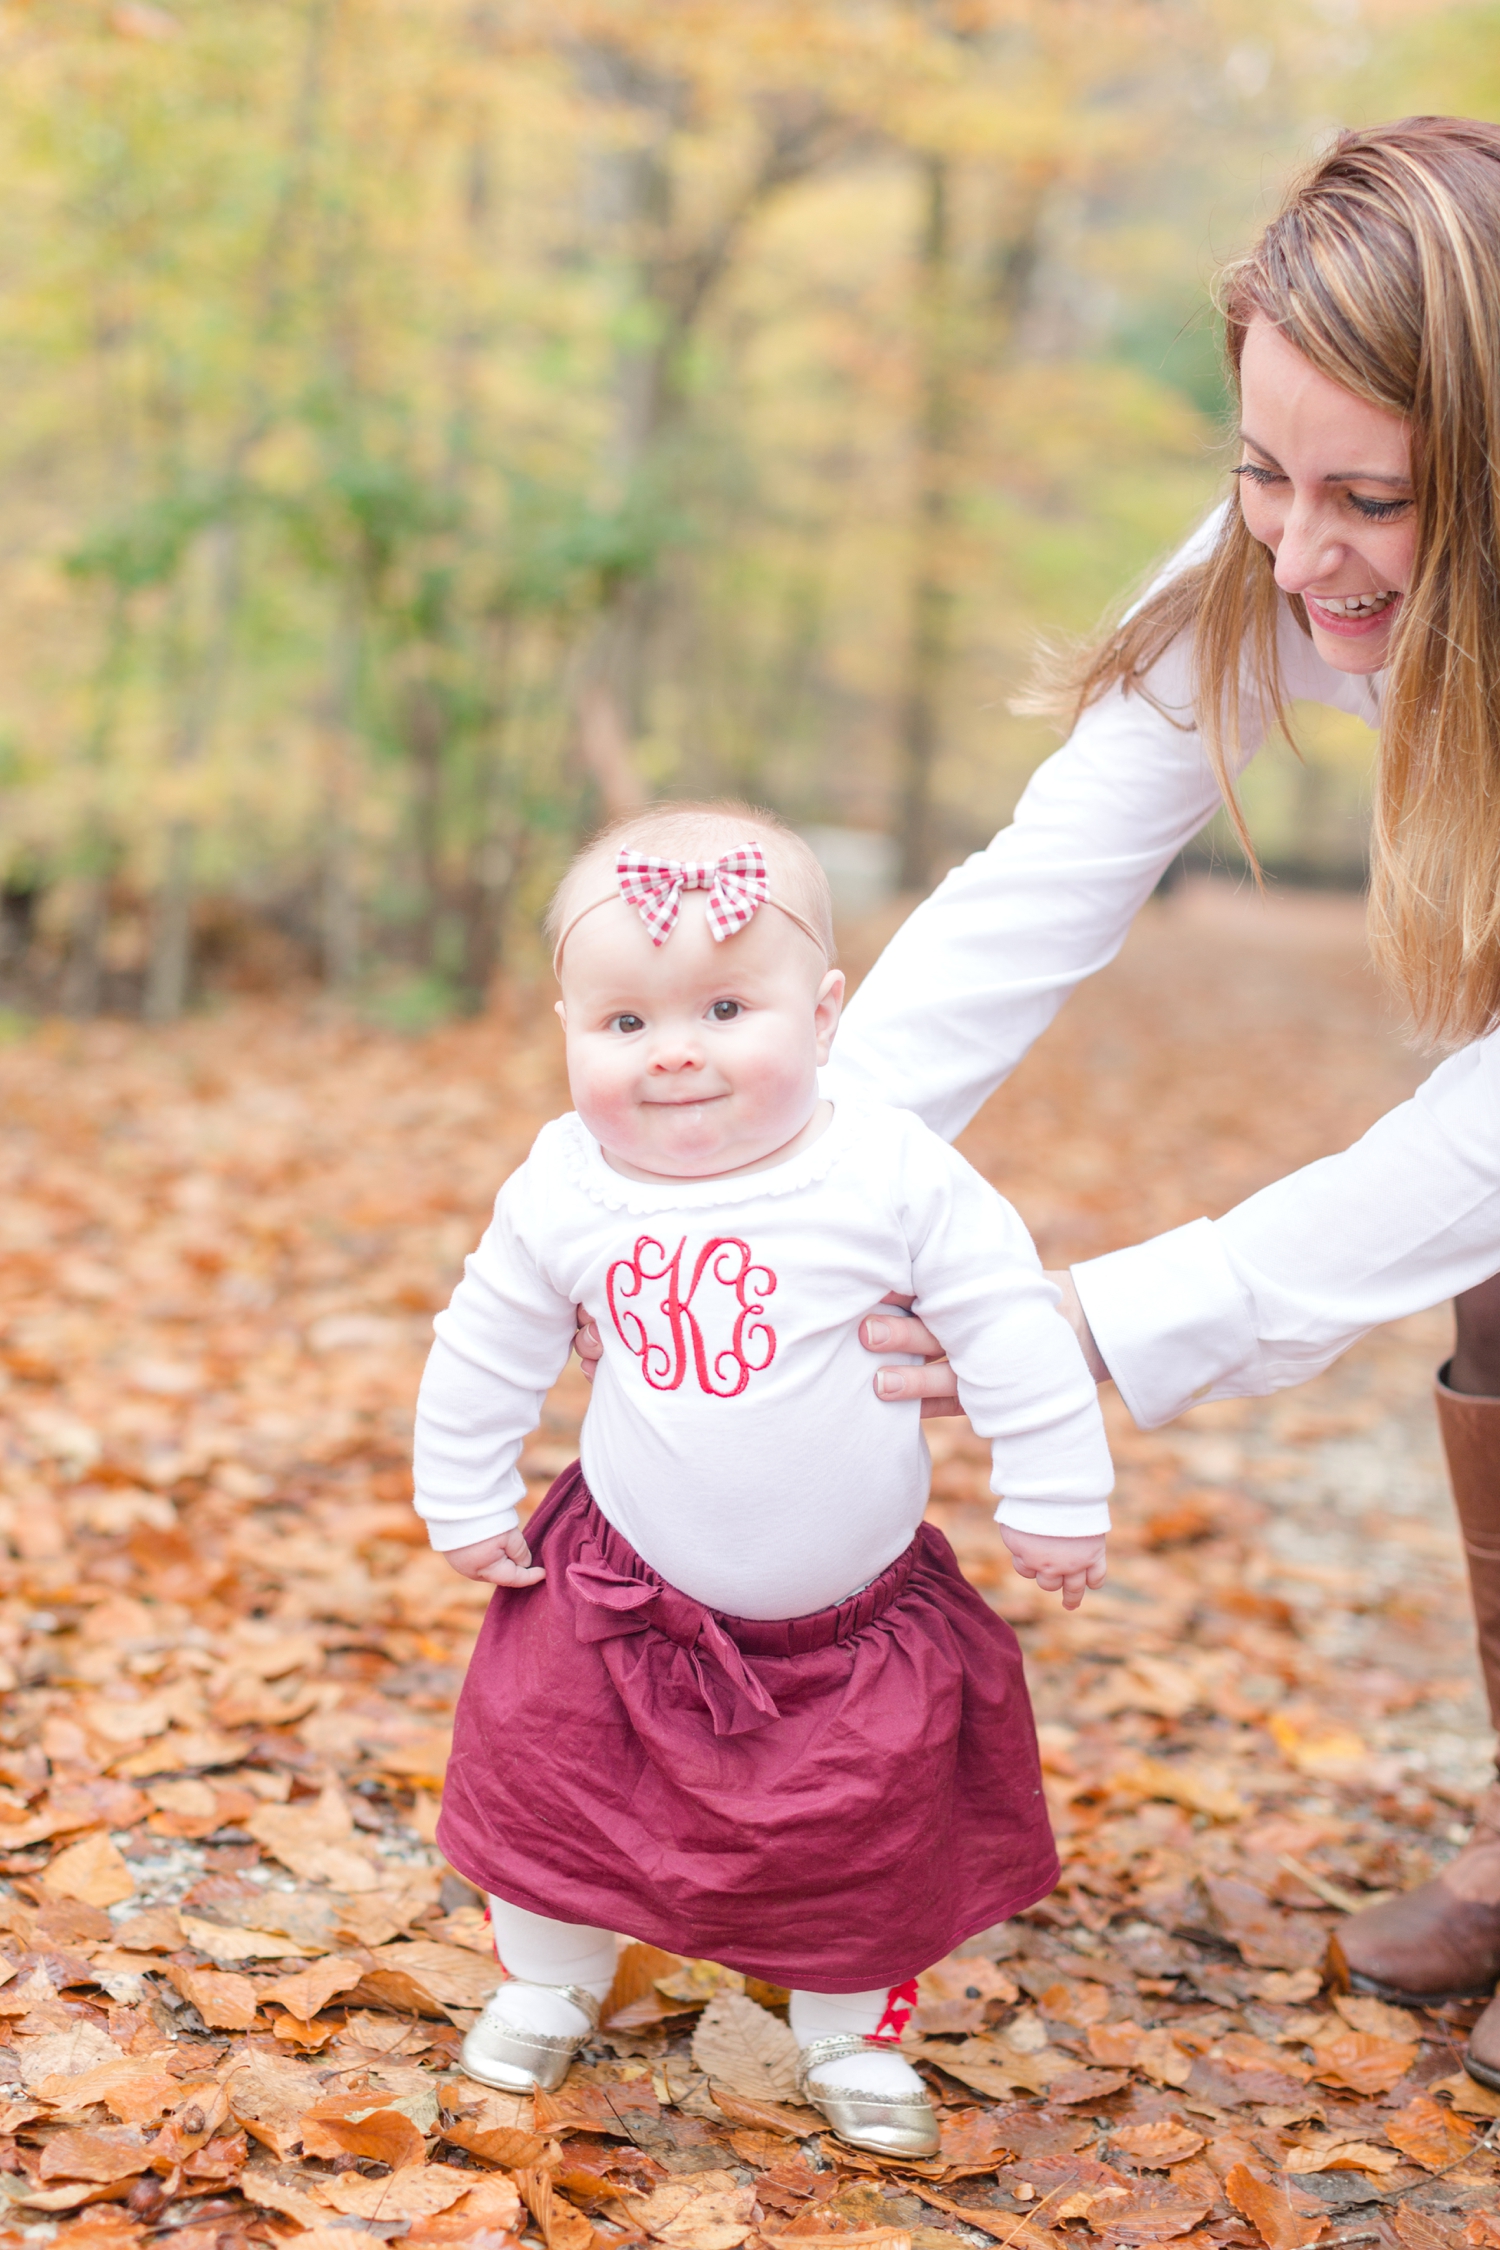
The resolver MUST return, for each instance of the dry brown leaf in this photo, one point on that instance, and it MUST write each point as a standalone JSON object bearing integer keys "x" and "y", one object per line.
{"x": 1336, "y": 2155}
{"x": 746, "y": 2049}
{"x": 791, "y": 2119}
{"x": 1363, "y": 2061}
{"x": 420, "y": 1977}
{"x": 282, "y": 2187}
{"x": 1426, "y": 2230}
{"x": 501, "y": 2145}
{"x": 317, "y": 1841}
{"x": 221, "y": 1942}
{"x": 706, "y": 2211}
{"x": 65, "y": 2054}
{"x": 560, "y": 2225}
{"x": 1156, "y": 2210}
{"x": 270, "y": 2095}
{"x": 1158, "y": 2144}
{"x": 1466, "y": 2094}
{"x": 100, "y": 2152}
{"x": 156, "y": 1929}
{"x": 384, "y": 2135}
{"x": 1429, "y": 2134}
{"x": 1281, "y": 2222}
{"x": 135, "y": 2092}
{"x": 93, "y": 1870}
{"x": 225, "y": 2002}
{"x": 1362, "y": 2013}
{"x": 307, "y": 1990}
{"x": 413, "y": 2194}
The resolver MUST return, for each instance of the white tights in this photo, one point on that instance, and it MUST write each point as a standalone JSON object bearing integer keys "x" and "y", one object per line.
{"x": 538, "y": 1952}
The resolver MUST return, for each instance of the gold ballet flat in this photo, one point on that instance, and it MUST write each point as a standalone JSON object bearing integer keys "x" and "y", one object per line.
{"x": 517, "y": 2061}
{"x": 886, "y": 2124}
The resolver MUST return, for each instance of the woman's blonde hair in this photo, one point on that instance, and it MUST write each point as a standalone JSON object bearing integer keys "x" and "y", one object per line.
{"x": 1383, "y": 269}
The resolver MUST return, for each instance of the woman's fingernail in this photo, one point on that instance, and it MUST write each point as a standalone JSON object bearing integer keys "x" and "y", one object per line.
{"x": 876, "y": 1333}
{"x": 887, "y": 1384}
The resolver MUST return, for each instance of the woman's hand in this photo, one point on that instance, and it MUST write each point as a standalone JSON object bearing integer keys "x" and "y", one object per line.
{"x": 932, "y": 1382}
{"x": 587, "y": 1342}
{"x": 505, "y": 1560}
{"x": 1066, "y": 1566}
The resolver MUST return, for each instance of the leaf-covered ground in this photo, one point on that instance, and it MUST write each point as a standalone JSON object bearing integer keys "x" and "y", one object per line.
{"x": 233, "y": 1973}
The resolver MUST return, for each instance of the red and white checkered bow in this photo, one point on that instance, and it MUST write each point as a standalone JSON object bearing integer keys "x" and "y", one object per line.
{"x": 737, "y": 885}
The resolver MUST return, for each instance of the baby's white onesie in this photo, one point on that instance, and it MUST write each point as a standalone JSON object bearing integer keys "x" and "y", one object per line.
{"x": 734, "y": 1436}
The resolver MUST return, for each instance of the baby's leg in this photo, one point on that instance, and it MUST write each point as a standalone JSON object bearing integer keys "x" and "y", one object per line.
{"x": 860, "y": 2015}
{"x": 537, "y": 1953}
{"x": 531, "y": 2028}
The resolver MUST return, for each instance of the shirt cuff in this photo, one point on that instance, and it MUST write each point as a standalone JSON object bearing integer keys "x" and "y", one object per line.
{"x": 1173, "y": 1323}
{"x": 447, "y": 1532}
{"x": 1055, "y": 1519}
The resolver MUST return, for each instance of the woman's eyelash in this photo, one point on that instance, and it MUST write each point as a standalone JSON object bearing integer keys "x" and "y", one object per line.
{"x": 1374, "y": 511}
{"x": 1378, "y": 511}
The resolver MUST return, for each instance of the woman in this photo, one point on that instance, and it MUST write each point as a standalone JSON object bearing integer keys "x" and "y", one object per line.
{"x": 1359, "y": 565}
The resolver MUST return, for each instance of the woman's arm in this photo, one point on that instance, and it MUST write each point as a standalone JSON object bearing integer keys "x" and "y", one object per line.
{"x": 1272, "y": 1293}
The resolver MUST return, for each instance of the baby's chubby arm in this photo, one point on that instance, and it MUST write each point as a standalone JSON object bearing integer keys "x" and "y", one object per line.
{"x": 1018, "y": 1366}
{"x": 500, "y": 1345}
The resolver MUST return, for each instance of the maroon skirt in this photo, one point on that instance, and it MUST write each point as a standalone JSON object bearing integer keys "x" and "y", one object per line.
{"x": 829, "y": 1802}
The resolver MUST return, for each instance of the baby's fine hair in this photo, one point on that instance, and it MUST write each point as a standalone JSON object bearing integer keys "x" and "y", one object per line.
{"x": 699, "y": 832}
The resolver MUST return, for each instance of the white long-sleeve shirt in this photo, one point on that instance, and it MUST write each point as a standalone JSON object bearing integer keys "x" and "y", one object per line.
{"x": 733, "y": 1435}
{"x": 1273, "y": 1291}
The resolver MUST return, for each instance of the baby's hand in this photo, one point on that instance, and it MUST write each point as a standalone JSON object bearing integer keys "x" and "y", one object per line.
{"x": 505, "y": 1560}
{"x": 1057, "y": 1564}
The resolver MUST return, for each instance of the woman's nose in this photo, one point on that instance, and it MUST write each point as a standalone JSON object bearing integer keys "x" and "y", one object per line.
{"x": 1309, "y": 552}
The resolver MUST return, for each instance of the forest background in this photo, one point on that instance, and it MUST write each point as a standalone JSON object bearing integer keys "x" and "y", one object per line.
{"x": 432, "y": 424}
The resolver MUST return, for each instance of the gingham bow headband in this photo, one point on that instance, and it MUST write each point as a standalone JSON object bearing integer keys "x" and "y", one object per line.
{"x": 736, "y": 883}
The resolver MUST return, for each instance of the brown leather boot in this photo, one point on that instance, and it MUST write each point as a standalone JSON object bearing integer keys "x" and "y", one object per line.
{"x": 1442, "y": 1940}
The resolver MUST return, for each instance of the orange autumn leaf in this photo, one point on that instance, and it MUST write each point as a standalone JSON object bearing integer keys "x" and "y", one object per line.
{"x": 1278, "y": 2214}
{"x": 384, "y": 2135}
{"x": 1429, "y": 2134}
{"x": 1363, "y": 2061}
{"x": 1158, "y": 2144}
{"x": 226, "y": 2002}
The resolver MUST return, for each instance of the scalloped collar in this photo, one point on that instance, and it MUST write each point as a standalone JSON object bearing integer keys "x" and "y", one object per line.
{"x": 583, "y": 1160}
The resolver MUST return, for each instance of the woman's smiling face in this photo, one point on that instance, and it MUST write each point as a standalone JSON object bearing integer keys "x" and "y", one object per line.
{"x": 1325, "y": 483}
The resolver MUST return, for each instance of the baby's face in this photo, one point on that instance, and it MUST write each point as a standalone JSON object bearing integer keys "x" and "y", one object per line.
{"x": 694, "y": 1057}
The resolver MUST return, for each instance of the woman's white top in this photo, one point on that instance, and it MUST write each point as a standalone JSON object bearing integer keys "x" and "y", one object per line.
{"x": 733, "y": 1435}
{"x": 1272, "y": 1292}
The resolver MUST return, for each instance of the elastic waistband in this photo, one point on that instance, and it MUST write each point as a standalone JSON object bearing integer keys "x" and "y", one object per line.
{"x": 680, "y": 1617}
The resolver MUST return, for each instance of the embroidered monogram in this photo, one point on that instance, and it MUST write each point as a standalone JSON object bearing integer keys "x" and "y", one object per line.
{"x": 725, "y": 1286}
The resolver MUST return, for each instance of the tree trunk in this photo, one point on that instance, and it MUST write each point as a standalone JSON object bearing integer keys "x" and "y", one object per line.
{"x": 930, "y": 627}
{"x": 171, "y": 934}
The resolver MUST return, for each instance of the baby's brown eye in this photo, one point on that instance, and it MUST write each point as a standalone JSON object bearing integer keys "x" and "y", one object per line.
{"x": 724, "y": 1011}
{"x": 630, "y": 1023}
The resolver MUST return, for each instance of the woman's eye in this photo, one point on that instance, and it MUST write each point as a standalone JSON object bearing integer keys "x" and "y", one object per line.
{"x": 1378, "y": 511}
{"x": 627, "y": 1023}
{"x": 1256, "y": 474}
{"x": 724, "y": 1011}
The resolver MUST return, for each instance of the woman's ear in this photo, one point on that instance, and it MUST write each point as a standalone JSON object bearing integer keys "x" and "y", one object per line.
{"x": 826, "y": 1010}
{"x": 561, "y": 1013}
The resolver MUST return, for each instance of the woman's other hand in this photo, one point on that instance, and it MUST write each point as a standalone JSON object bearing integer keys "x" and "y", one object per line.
{"x": 932, "y": 1382}
{"x": 587, "y": 1342}
{"x": 504, "y": 1560}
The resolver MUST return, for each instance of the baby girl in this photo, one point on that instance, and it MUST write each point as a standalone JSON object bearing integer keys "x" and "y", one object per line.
{"x": 733, "y": 1695}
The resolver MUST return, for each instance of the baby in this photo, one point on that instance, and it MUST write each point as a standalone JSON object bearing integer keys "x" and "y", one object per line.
{"x": 733, "y": 1695}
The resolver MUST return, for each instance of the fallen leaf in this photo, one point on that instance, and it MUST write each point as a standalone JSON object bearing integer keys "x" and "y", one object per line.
{"x": 221, "y": 1942}
{"x": 317, "y": 1841}
{"x": 1158, "y": 2210}
{"x": 412, "y": 2194}
{"x": 100, "y": 2152}
{"x": 284, "y": 2188}
{"x": 93, "y": 1870}
{"x": 1336, "y": 2155}
{"x": 1467, "y": 2095}
{"x": 225, "y": 2002}
{"x": 1429, "y": 2134}
{"x": 270, "y": 2095}
{"x": 1363, "y": 2061}
{"x": 136, "y": 2092}
{"x": 421, "y": 1977}
{"x": 65, "y": 2054}
{"x": 307, "y": 1990}
{"x": 707, "y": 2211}
{"x": 1362, "y": 2013}
{"x": 1281, "y": 2223}
{"x": 1156, "y": 2145}
{"x": 747, "y": 2050}
{"x": 384, "y": 2135}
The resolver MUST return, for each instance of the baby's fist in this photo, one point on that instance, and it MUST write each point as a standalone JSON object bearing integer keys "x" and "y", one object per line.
{"x": 1059, "y": 1565}
{"x": 504, "y": 1560}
